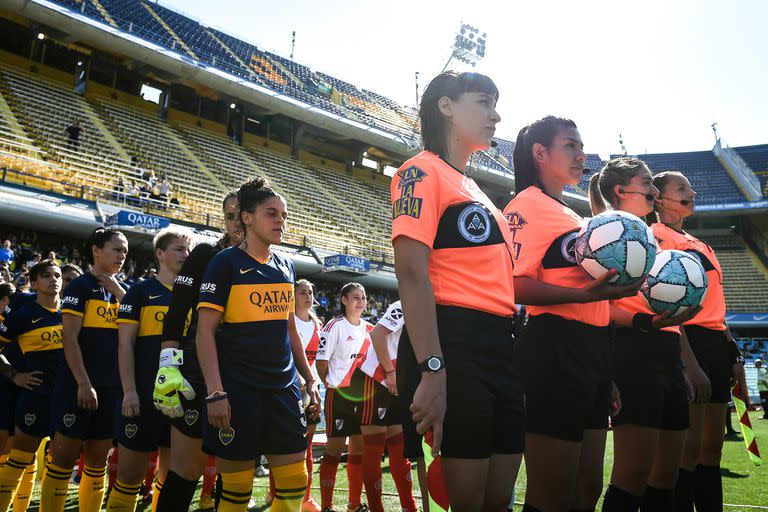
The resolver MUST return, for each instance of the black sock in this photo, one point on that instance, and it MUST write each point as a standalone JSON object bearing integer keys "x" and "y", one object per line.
{"x": 658, "y": 500}
{"x": 177, "y": 494}
{"x": 684, "y": 491}
{"x": 529, "y": 508}
{"x": 616, "y": 500}
{"x": 708, "y": 489}
{"x": 217, "y": 490}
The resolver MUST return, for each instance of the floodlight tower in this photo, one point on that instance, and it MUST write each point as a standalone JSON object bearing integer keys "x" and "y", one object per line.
{"x": 468, "y": 45}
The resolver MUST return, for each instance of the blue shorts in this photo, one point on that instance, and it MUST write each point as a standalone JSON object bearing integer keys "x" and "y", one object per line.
{"x": 145, "y": 432}
{"x": 8, "y": 394}
{"x": 33, "y": 413}
{"x": 263, "y": 423}
{"x": 72, "y": 421}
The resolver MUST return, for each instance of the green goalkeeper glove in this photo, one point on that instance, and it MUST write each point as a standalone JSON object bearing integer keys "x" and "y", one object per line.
{"x": 169, "y": 383}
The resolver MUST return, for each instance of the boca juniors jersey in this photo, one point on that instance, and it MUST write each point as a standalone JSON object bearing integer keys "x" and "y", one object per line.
{"x": 256, "y": 299}
{"x": 86, "y": 298}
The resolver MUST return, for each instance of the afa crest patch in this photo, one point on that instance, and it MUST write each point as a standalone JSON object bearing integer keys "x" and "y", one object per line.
{"x": 408, "y": 204}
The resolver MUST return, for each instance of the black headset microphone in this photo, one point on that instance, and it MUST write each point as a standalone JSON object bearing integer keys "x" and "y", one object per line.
{"x": 650, "y": 197}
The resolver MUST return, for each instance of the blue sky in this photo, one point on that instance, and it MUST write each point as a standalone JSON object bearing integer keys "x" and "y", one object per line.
{"x": 658, "y": 72}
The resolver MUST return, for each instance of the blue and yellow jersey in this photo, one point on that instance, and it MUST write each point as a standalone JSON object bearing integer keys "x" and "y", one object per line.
{"x": 86, "y": 298}
{"x": 37, "y": 330}
{"x": 12, "y": 351}
{"x": 255, "y": 299}
{"x": 145, "y": 305}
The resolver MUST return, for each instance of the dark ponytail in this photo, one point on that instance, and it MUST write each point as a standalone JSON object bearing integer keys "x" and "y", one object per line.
{"x": 451, "y": 84}
{"x": 596, "y": 199}
{"x": 252, "y": 193}
{"x": 231, "y": 195}
{"x": 98, "y": 238}
{"x": 346, "y": 290}
{"x": 541, "y": 132}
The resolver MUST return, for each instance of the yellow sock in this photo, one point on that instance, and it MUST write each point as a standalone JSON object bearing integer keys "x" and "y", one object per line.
{"x": 123, "y": 496}
{"x": 24, "y": 492}
{"x": 41, "y": 455}
{"x": 91, "y": 492}
{"x": 53, "y": 492}
{"x": 11, "y": 474}
{"x": 156, "y": 494}
{"x": 290, "y": 484}
{"x": 236, "y": 492}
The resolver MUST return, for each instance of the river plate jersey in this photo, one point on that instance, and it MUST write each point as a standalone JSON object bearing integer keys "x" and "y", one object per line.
{"x": 145, "y": 305}
{"x": 344, "y": 346}
{"x": 86, "y": 298}
{"x": 256, "y": 299}
{"x": 394, "y": 321}
{"x": 37, "y": 330}
{"x": 310, "y": 339}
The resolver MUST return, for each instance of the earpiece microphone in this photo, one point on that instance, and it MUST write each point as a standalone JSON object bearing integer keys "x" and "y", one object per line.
{"x": 649, "y": 197}
{"x": 586, "y": 171}
{"x": 684, "y": 202}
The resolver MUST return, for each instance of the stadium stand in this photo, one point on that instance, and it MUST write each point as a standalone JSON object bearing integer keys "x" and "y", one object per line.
{"x": 756, "y": 158}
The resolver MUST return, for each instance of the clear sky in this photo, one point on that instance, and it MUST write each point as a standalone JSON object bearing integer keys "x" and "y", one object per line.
{"x": 659, "y": 72}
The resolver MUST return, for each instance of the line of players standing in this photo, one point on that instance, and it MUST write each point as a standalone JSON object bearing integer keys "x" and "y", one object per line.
{"x": 229, "y": 364}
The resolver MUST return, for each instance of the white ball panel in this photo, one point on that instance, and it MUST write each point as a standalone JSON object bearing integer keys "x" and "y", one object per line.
{"x": 693, "y": 269}
{"x": 636, "y": 255}
{"x": 668, "y": 292}
{"x": 605, "y": 234}
{"x": 593, "y": 268}
{"x": 662, "y": 258}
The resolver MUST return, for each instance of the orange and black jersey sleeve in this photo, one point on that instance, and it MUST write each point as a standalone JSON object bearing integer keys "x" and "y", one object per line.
{"x": 712, "y": 314}
{"x": 145, "y": 305}
{"x": 544, "y": 231}
{"x": 470, "y": 262}
{"x": 256, "y": 299}
{"x": 86, "y": 298}
{"x": 37, "y": 330}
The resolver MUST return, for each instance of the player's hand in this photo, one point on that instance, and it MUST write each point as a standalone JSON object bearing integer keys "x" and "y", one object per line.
{"x": 28, "y": 380}
{"x": 313, "y": 409}
{"x": 666, "y": 319}
{"x": 392, "y": 382}
{"x": 702, "y": 387}
{"x": 738, "y": 377}
{"x": 615, "y": 398}
{"x": 689, "y": 388}
{"x": 130, "y": 404}
{"x": 219, "y": 413}
{"x": 86, "y": 398}
{"x": 110, "y": 283}
{"x": 169, "y": 384}
{"x": 428, "y": 407}
{"x": 602, "y": 289}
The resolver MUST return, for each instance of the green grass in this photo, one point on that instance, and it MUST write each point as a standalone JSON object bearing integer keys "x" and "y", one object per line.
{"x": 743, "y": 482}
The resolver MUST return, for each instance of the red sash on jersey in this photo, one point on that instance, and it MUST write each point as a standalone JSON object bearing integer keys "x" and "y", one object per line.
{"x": 359, "y": 360}
{"x": 311, "y": 348}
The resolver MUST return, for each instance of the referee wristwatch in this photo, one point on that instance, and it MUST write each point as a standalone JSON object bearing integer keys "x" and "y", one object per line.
{"x": 432, "y": 364}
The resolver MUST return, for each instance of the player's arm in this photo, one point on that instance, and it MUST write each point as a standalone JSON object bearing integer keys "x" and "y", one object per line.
{"x": 418, "y": 301}
{"x": 379, "y": 336}
{"x": 322, "y": 370}
{"x": 127, "y": 332}
{"x": 218, "y": 406}
{"x": 325, "y": 352}
{"x": 86, "y": 395}
{"x": 737, "y": 362}
{"x": 625, "y": 318}
{"x": 185, "y": 294}
{"x": 302, "y": 364}
{"x": 532, "y": 292}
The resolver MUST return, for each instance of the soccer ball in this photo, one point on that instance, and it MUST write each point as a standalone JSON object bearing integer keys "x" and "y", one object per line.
{"x": 619, "y": 240}
{"x": 676, "y": 282}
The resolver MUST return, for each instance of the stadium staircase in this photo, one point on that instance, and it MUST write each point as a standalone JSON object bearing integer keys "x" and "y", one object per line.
{"x": 173, "y": 34}
{"x": 232, "y": 55}
{"x": 104, "y": 13}
{"x": 737, "y": 168}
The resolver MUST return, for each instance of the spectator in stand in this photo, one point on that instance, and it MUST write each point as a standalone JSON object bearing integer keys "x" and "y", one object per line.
{"x": 52, "y": 256}
{"x": 34, "y": 259}
{"x": 6, "y": 253}
{"x": 5, "y": 272}
{"x": 21, "y": 281}
{"x": 762, "y": 386}
{"x": 73, "y": 135}
{"x": 119, "y": 190}
{"x": 165, "y": 189}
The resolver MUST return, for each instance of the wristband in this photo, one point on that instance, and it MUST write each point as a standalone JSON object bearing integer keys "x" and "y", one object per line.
{"x": 215, "y": 397}
{"x": 171, "y": 357}
{"x": 643, "y": 322}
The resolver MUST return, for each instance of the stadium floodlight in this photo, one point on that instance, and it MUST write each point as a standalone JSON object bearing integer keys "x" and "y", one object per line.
{"x": 40, "y": 36}
{"x": 232, "y": 106}
{"x": 468, "y": 45}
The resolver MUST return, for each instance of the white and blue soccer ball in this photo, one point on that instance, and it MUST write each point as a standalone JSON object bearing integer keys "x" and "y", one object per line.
{"x": 616, "y": 239}
{"x": 676, "y": 283}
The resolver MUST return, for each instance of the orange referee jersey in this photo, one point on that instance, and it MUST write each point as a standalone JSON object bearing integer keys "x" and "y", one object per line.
{"x": 470, "y": 264}
{"x": 544, "y": 230}
{"x": 712, "y": 314}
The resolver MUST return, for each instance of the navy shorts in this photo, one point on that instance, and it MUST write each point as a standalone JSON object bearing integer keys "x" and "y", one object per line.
{"x": 145, "y": 432}
{"x": 191, "y": 424}
{"x": 379, "y": 406}
{"x": 263, "y": 422}
{"x": 8, "y": 394}
{"x": 33, "y": 413}
{"x": 711, "y": 351}
{"x": 566, "y": 376}
{"x": 649, "y": 374}
{"x": 344, "y": 408}
{"x": 72, "y": 421}
{"x": 485, "y": 412}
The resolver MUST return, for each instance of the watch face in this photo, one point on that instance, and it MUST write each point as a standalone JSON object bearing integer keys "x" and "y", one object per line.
{"x": 433, "y": 364}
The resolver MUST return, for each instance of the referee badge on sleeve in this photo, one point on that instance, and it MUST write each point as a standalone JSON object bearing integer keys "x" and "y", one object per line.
{"x": 226, "y": 435}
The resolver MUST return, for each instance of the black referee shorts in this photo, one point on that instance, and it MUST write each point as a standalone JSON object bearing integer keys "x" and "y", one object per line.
{"x": 485, "y": 413}
{"x": 649, "y": 375}
{"x": 711, "y": 350}
{"x": 566, "y": 376}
